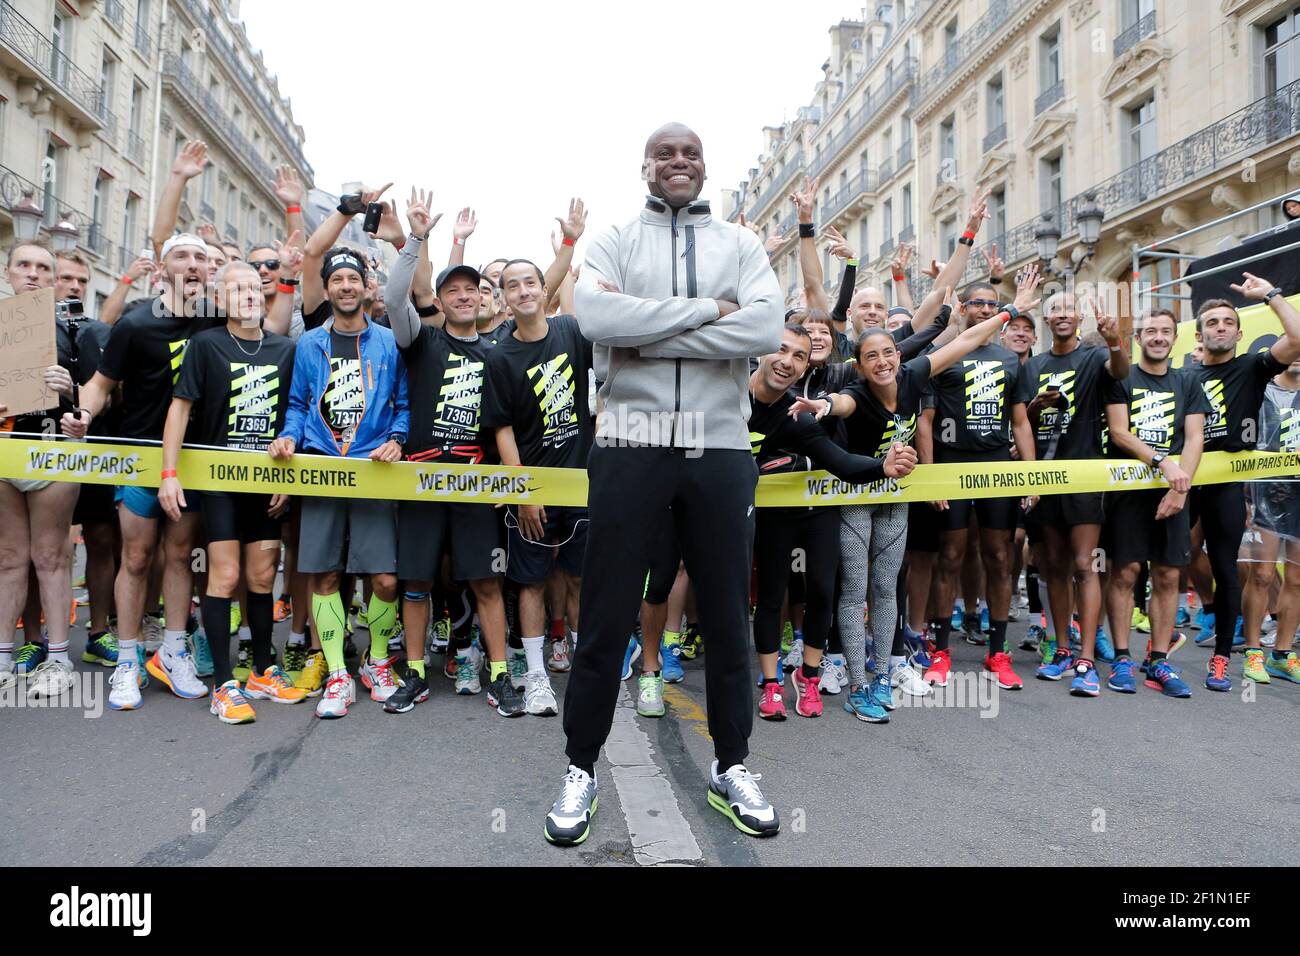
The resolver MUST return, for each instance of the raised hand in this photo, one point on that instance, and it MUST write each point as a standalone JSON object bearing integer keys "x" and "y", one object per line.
{"x": 818, "y": 408}
{"x": 208, "y": 233}
{"x": 1108, "y": 326}
{"x": 773, "y": 243}
{"x": 290, "y": 255}
{"x": 996, "y": 266}
{"x": 372, "y": 195}
{"x": 140, "y": 268}
{"x": 805, "y": 199}
{"x": 418, "y": 215}
{"x": 934, "y": 268}
{"x": 576, "y": 222}
{"x": 751, "y": 226}
{"x": 979, "y": 210}
{"x": 1027, "y": 282}
{"x": 191, "y": 159}
{"x": 465, "y": 224}
{"x": 288, "y": 188}
{"x": 390, "y": 227}
{"x": 898, "y": 265}
{"x": 1253, "y": 288}
{"x": 839, "y": 246}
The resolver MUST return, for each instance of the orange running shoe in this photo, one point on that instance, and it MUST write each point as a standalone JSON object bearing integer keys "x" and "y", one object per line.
{"x": 231, "y": 706}
{"x": 275, "y": 686}
{"x": 283, "y": 608}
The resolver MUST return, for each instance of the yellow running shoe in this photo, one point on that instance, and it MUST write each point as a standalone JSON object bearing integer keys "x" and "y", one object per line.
{"x": 231, "y": 706}
{"x": 314, "y": 672}
{"x": 1288, "y": 668}
{"x": 275, "y": 686}
{"x": 1253, "y": 669}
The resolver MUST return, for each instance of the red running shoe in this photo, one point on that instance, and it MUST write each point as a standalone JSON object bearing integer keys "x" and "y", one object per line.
{"x": 772, "y": 706}
{"x": 998, "y": 667}
{"x": 940, "y": 666}
{"x": 808, "y": 702}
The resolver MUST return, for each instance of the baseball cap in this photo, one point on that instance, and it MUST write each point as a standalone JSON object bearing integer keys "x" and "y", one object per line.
{"x": 462, "y": 270}
{"x": 183, "y": 239}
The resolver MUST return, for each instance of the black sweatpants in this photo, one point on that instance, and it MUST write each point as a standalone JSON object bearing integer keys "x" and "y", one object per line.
{"x": 712, "y": 502}
{"x": 777, "y": 533}
{"x": 1222, "y": 511}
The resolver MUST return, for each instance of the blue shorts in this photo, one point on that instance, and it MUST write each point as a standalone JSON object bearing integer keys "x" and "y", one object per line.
{"x": 143, "y": 502}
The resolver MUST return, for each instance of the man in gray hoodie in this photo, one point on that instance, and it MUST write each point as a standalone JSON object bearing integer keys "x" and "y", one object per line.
{"x": 675, "y": 303}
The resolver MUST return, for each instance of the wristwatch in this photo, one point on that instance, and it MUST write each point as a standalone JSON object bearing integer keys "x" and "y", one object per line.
{"x": 1268, "y": 296}
{"x": 1157, "y": 458}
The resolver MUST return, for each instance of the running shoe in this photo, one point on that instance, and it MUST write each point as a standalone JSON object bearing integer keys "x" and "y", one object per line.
{"x": 772, "y": 706}
{"x": 569, "y": 822}
{"x": 142, "y": 670}
{"x": 632, "y": 654}
{"x": 1087, "y": 682}
{"x": 829, "y": 677}
{"x": 397, "y": 643}
{"x": 997, "y": 667}
{"x": 1056, "y": 668}
{"x": 984, "y": 617}
{"x": 414, "y": 690}
{"x": 230, "y": 706}
{"x": 340, "y": 693}
{"x": 1288, "y": 668}
{"x": 862, "y": 704}
{"x": 958, "y": 616}
{"x": 807, "y": 694}
{"x": 243, "y": 661}
{"x": 1253, "y": 668}
{"x": 1013, "y": 615}
{"x": 50, "y": 680}
{"x": 283, "y": 608}
{"x": 1076, "y": 637}
{"x": 1238, "y": 637}
{"x": 883, "y": 693}
{"x": 468, "y": 663}
{"x": 313, "y": 674}
{"x": 937, "y": 673}
{"x": 1105, "y": 649}
{"x": 124, "y": 687}
{"x": 1177, "y": 641}
{"x": 793, "y": 656}
{"x": 28, "y": 657}
{"x": 906, "y": 679}
{"x": 1047, "y": 650}
{"x": 1268, "y": 632}
{"x": 972, "y": 632}
{"x": 559, "y": 660}
{"x": 101, "y": 649}
{"x": 692, "y": 642}
{"x": 670, "y": 664}
{"x": 151, "y": 632}
{"x": 1183, "y": 618}
{"x": 1033, "y": 637}
{"x": 650, "y": 696}
{"x": 7, "y": 678}
{"x": 517, "y": 666}
{"x": 1216, "y": 674}
{"x": 502, "y": 695}
{"x": 1121, "y": 677}
{"x": 787, "y": 638}
{"x": 202, "y": 651}
{"x": 916, "y": 646}
{"x": 1141, "y": 623}
{"x": 440, "y": 635}
{"x": 177, "y": 672}
{"x": 539, "y": 696}
{"x": 273, "y": 685}
{"x": 1162, "y": 676}
{"x": 1204, "y": 622}
{"x": 295, "y": 659}
{"x": 349, "y": 646}
{"x": 736, "y": 796}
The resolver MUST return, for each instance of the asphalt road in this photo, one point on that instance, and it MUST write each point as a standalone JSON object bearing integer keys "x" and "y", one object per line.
{"x": 1043, "y": 779}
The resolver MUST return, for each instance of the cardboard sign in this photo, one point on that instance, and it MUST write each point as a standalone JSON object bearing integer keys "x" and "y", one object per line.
{"x": 27, "y": 349}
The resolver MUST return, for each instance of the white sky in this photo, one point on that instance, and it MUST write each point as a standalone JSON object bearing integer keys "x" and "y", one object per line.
{"x": 512, "y": 107}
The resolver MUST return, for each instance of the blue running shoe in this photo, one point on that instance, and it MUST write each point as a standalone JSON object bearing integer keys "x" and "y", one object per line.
{"x": 1086, "y": 682}
{"x": 1076, "y": 638}
{"x": 1216, "y": 675}
{"x": 1204, "y": 622}
{"x": 142, "y": 660}
{"x": 984, "y": 618}
{"x": 202, "y": 653}
{"x": 29, "y": 657}
{"x": 1105, "y": 649}
{"x": 633, "y": 653}
{"x": 882, "y": 692}
{"x": 670, "y": 663}
{"x": 101, "y": 649}
{"x": 1121, "y": 677}
{"x": 1055, "y": 669}
{"x": 862, "y": 704}
{"x": 958, "y": 613}
{"x": 1033, "y": 637}
{"x": 916, "y": 648}
{"x": 1161, "y": 676}
{"x": 1183, "y": 618}
{"x": 1238, "y": 638}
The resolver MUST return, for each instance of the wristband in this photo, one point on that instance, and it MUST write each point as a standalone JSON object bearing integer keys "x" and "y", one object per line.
{"x": 286, "y": 287}
{"x": 968, "y": 234}
{"x": 293, "y": 209}
{"x": 1268, "y": 297}
{"x": 168, "y": 473}
{"x": 995, "y": 280}
{"x": 807, "y": 230}
{"x": 127, "y": 280}
{"x": 1011, "y": 311}
{"x": 967, "y": 240}
{"x": 427, "y": 311}
{"x": 899, "y": 276}
{"x": 457, "y": 241}
{"x": 569, "y": 242}
{"x": 851, "y": 262}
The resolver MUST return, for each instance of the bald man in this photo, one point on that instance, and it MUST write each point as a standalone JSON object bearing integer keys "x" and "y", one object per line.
{"x": 675, "y": 303}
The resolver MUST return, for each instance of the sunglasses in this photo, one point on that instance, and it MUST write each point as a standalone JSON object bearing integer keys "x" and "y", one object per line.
{"x": 977, "y": 303}
{"x": 271, "y": 264}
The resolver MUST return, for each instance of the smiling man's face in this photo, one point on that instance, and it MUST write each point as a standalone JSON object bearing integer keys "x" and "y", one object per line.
{"x": 674, "y": 165}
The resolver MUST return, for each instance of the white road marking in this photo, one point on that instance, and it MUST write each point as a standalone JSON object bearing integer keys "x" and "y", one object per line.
{"x": 659, "y": 831}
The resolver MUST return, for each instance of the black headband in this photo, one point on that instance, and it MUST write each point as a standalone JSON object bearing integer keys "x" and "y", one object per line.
{"x": 342, "y": 260}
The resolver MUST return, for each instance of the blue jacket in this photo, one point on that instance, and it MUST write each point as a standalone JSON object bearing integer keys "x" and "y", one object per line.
{"x": 387, "y": 411}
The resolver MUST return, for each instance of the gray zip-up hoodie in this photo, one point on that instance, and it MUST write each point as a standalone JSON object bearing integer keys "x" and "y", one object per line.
{"x": 675, "y": 373}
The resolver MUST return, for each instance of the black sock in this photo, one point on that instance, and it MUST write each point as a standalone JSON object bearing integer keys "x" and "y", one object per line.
{"x": 969, "y": 621}
{"x": 997, "y": 637}
{"x": 898, "y": 649}
{"x": 515, "y": 641}
{"x": 1031, "y": 589}
{"x": 1158, "y": 656}
{"x": 1280, "y": 655}
{"x": 1121, "y": 654}
{"x": 941, "y": 635}
{"x": 261, "y": 619}
{"x": 216, "y": 623}
{"x": 809, "y": 671}
{"x": 771, "y": 680}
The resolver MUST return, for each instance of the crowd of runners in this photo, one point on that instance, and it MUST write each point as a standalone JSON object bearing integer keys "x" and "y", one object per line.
{"x": 676, "y": 318}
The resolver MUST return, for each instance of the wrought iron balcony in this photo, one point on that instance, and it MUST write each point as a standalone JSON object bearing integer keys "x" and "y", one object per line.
{"x": 114, "y": 12}
{"x": 887, "y": 169}
{"x": 137, "y": 148}
{"x": 96, "y": 239}
{"x": 895, "y": 81}
{"x": 12, "y": 187}
{"x": 143, "y": 42}
{"x": 207, "y": 212}
{"x": 995, "y": 137}
{"x": 867, "y": 181}
{"x": 887, "y": 247}
{"x": 28, "y": 51}
{"x": 218, "y": 121}
{"x": 1049, "y": 97}
{"x": 1136, "y": 33}
{"x": 967, "y": 43}
{"x": 908, "y": 234}
{"x": 230, "y": 232}
{"x": 904, "y": 155}
{"x": 774, "y": 189}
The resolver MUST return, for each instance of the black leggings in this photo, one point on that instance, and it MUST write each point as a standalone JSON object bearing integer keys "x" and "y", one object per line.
{"x": 778, "y": 532}
{"x": 1222, "y": 512}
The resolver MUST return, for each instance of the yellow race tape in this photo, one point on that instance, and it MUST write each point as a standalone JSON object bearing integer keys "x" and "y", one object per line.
{"x": 109, "y": 464}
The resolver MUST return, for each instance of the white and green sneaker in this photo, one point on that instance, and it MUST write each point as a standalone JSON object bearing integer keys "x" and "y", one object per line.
{"x": 736, "y": 796}
{"x": 650, "y": 701}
